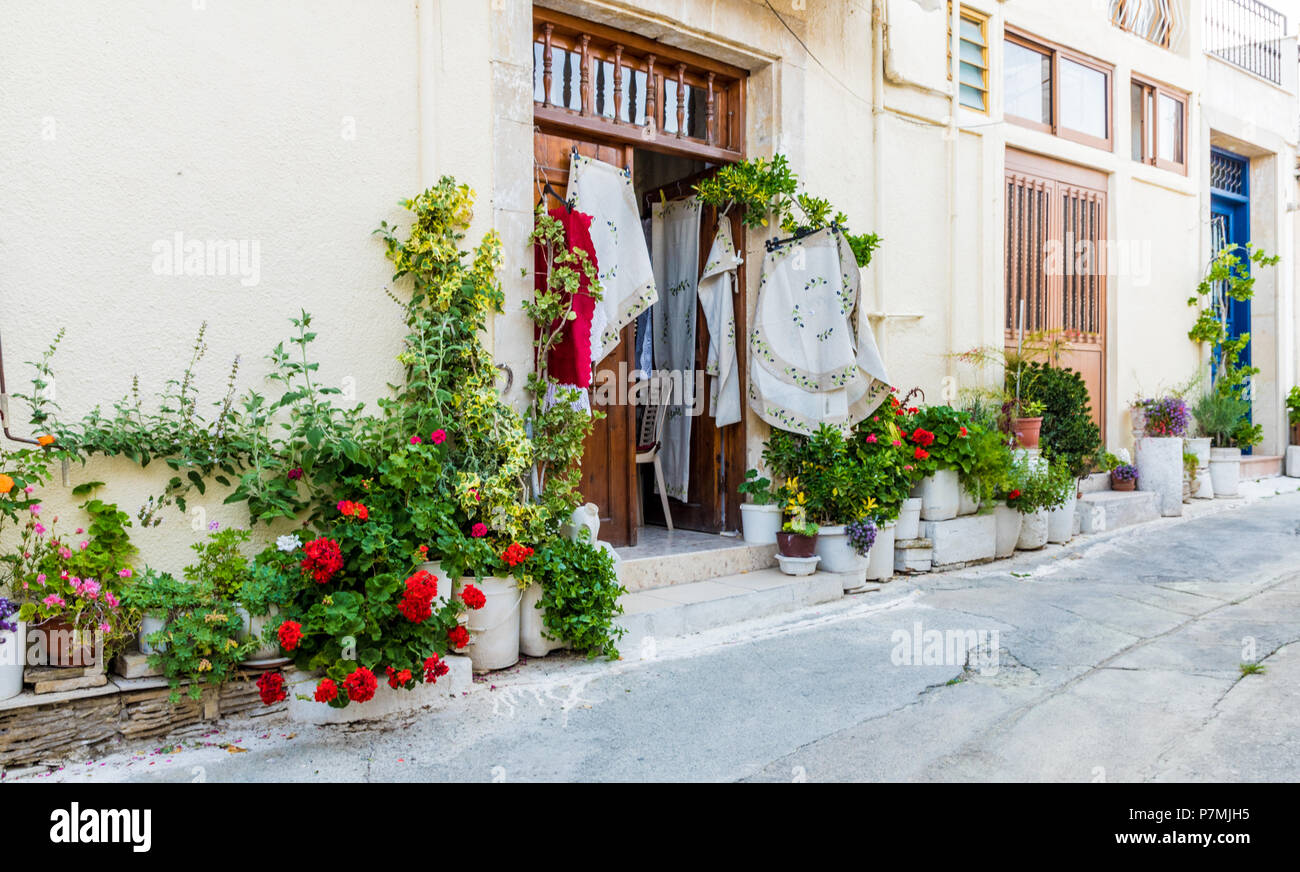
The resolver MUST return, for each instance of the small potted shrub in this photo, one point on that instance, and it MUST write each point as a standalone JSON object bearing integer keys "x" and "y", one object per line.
{"x": 761, "y": 516}
{"x": 796, "y": 542}
{"x": 1038, "y": 490}
{"x": 1124, "y": 477}
{"x": 1225, "y": 418}
{"x": 160, "y": 598}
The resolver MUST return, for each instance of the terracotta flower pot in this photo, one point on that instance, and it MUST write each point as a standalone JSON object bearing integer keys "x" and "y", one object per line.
{"x": 1124, "y": 485}
{"x": 795, "y": 544}
{"x": 1027, "y": 431}
{"x": 64, "y": 644}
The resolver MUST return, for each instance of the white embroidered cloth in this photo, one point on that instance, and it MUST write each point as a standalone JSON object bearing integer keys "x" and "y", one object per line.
{"x": 627, "y": 281}
{"x": 675, "y": 247}
{"x": 717, "y": 285}
{"x": 809, "y": 363}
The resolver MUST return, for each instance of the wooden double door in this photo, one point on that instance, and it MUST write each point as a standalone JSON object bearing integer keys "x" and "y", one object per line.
{"x": 610, "y": 477}
{"x": 1056, "y": 266}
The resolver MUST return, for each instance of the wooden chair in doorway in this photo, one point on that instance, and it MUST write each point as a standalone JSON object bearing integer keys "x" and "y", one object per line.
{"x": 653, "y": 394}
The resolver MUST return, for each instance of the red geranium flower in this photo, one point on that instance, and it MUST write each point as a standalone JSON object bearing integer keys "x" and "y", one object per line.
{"x": 323, "y": 559}
{"x": 416, "y": 604}
{"x": 361, "y": 685}
{"x": 327, "y": 690}
{"x": 1014, "y": 494}
{"x": 920, "y": 454}
{"x": 479, "y": 530}
{"x": 438, "y": 436}
{"x": 922, "y": 437}
{"x": 962, "y": 432}
{"x": 473, "y": 597}
{"x": 516, "y": 554}
{"x": 398, "y": 678}
{"x": 290, "y": 634}
{"x": 271, "y": 688}
{"x": 349, "y": 509}
{"x": 295, "y": 473}
{"x": 458, "y": 636}
{"x": 434, "y": 669}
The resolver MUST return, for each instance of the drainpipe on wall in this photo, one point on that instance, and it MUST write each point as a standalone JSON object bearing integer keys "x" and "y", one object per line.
{"x": 878, "y": 168}
{"x": 950, "y": 134}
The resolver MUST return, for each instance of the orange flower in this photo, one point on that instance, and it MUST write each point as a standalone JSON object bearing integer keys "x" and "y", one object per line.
{"x": 45, "y": 440}
{"x": 6, "y": 484}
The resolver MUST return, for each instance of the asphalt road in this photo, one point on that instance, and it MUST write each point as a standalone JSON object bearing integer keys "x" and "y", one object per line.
{"x": 1118, "y": 658}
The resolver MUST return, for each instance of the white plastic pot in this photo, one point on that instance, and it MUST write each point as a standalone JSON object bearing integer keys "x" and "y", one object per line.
{"x": 1008, "y": 530}
{"x": 148, "y": 625}
{"x": 1033, "y": 531}
{"x": 1160, "y": 470}
{"x": 1200, "y": 446}
{"x": 1060, "y": 522}
{"x": 13, "y": 656}
{"x": 837, "y": 555}
{"x": 798, "y": 565}
{"x": 533, "y": 640}
{"x": 1225, "y": 471}
{"x": 253, "y": 627}
{"x": 969, "y": 504}
{"x": 494, "y": 629}
{"x": 908, "y": 525}
{"x": 1293, "y": 461}
{"x": 880, "y": 563}
{"x": 759, "y": 524}
{"x": 940, "y": 496}
{"x": 1204, "y": 485}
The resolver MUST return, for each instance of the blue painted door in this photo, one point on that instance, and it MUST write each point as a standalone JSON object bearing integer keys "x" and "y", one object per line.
{"x": 1230, "y": 227}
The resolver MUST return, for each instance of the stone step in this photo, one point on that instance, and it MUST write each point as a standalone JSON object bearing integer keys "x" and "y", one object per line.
{"x": 692, "y": 607}
{"x": 1109, "y": 510}
{"x": 667, "y": 564}
{"x": 1261, "y": 465}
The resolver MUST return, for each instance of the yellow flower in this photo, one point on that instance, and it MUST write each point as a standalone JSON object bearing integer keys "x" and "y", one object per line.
{"x": 204, "y": 665}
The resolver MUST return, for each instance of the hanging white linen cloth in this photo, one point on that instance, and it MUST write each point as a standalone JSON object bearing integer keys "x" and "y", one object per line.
{"x": 675, "y": 247}
{"x": 627, "y": 284}
{"x": 810, "y": 364}
{"x": 717, "y": 285}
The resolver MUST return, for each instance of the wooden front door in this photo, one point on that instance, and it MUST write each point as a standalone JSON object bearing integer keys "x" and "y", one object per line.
{"x": 1056, "y": 267}
{"x": 717, "y": 455}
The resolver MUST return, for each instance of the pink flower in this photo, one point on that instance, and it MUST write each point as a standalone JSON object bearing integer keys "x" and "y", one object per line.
{"x": 124, "y": 573}
{"x": 35, "y": 508}
{"x": 40, "y": 578}
{"x": 54, "y": 600}
{"x": 84, "y": 545}
{"x": 438, "y": 436}
{"x": 40, "y": 529}
{"x": 79, "y": 531}
{"x": 897, "y": 443}
{"x": 416, "y": 440}
{"x": 871, "y": 437}
{"x": 479, "y": 530}
{"x": 111, "y": 600}
{"x": 28, "y": 489}
{"x": 105, "y": 627}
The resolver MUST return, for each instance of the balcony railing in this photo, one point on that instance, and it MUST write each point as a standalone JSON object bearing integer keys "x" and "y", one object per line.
{"x": 1246, "y": 33}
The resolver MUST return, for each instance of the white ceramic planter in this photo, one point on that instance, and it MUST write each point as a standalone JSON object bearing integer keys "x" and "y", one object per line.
{"x": 1033, "y": 531}
{"x": 1160, "y": 470}
{"x": 908, "y": 525}
{"x": 1204, "y": 485}
{"x": 1293, "y": 461}
{"x": 1200, "y": 446}
{"x": 13, "y": 654}
{"x": 1008, "y": 530}
{"x": 148, "y": 625}
{"x": 880, "y": 564}
{"x": 253, "y": 626}
{"x": 533, "y": 640}
{"x": 494, "y": 629}
{"x": 1060, "y": 522}
{"x": 1225, "y": 471}
{"x": 940, "y": 496}
{"x": 837, "y": 555}
{"x": 798, "y": 565}
{"x": 759, "y": 524}
{"x": 968, "y": 504}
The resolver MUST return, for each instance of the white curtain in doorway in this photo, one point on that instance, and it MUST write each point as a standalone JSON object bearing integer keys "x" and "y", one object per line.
{"x": 627, "y": 284}
{"x": 717, "y": 287}
{"x": 675, "y": 242}
{"x": 809, "y": 362}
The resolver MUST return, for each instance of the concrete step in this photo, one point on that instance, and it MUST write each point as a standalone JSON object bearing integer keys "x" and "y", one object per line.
{"x": 1261, "y": 465}
{"x": 692, "y": 607}
{"x": 689, "y": 558}
{"x": 1109, "y": 510}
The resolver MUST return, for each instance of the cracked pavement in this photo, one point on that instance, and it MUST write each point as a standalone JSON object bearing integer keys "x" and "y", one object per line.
{"x": 1119, "y": 659}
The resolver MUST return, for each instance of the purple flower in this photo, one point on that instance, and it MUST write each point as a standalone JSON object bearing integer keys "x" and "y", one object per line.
{"x": 214, "y": 526}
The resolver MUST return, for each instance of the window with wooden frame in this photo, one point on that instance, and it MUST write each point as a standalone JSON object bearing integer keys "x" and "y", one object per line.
{"x": 1057, "y": 90}
{"x": 1158, "y": 125}
{"x": 593, "y": 80}
{"x": 973, "y": 58}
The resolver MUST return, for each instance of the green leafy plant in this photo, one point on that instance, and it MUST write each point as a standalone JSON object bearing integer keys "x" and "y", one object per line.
{"x": 757, "y": 488}
{"x": 1219, "y": 416}
{"x": 1293, "y": 405}
{"x": 580, "y": 592}
{"x": 1039, "y": 485}
{"x": 221, "y": 566}
{"x": 1068, "y": 428}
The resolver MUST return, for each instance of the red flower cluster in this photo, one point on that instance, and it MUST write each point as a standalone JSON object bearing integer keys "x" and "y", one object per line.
{"x": 516, "y": 554}
{"x": 1015, "y": 494}
{"x": 920, "y": 453}
{"x": 417, "y": 601}
{"x": 922, "y": 437}
{"x": 295, "y": 473}
{"x": 290, "y": 634}
{"x": 361, "y": 685}
{"x": 327, "y": 690}
{"x": 473, "y": 597}
{"x": 271, "y": 688}
{"x": 349, "y": 509}
{"x": 323, "y": 559}
{"x": 458, "y": 636}
{"x": 434, "y": 669}
{"x": 398, "y": 678}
